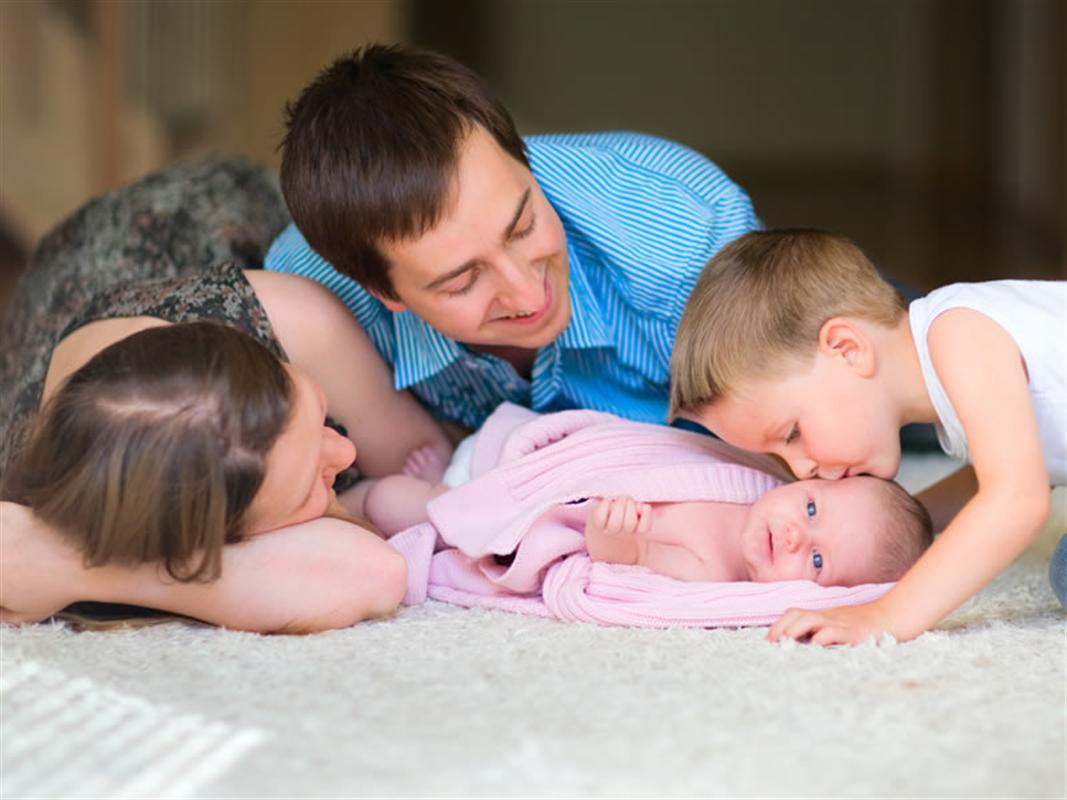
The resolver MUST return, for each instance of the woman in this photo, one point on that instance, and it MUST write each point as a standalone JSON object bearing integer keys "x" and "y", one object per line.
{"x": 170, "y": 455}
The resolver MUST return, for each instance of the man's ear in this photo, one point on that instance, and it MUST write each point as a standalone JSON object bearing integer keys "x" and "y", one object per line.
{"x": 396, "y": 306}
{"x": 842, "y": 338}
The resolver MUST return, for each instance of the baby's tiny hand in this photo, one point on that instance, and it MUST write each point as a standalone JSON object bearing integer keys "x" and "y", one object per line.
{"x": 613, "y": 528}
{"x": 425, "y": 464}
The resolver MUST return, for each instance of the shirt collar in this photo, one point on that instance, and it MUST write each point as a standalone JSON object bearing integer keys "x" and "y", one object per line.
{"x": 586, "y": 327}
{"x": 421, "y": 351}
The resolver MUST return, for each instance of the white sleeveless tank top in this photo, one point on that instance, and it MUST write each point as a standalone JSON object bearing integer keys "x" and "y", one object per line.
{"x": 1034, "y": 313}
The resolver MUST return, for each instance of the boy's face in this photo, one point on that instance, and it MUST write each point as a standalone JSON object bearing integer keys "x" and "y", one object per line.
{"x": 823, "y": 531}
{"x": 493, "y": 270}
{"x": 825, "y": 422}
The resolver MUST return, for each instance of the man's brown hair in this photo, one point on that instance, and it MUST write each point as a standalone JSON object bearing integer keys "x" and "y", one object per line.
{"x": 371, "y": 149}
{"x": 759, "y": 304}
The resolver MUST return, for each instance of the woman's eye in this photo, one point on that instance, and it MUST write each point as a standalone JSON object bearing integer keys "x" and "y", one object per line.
{"x": 816, "y": 559}
{"x": 811, "y": 509}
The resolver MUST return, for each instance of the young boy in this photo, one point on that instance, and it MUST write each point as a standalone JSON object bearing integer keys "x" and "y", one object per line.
{"x": 792, "y": 344}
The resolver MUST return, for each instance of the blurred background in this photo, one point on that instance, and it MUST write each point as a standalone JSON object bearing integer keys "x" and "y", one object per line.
{"x": 930, "y": 131}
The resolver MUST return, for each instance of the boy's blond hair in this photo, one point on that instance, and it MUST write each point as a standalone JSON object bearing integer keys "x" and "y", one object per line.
{"x": 759, "y": 304}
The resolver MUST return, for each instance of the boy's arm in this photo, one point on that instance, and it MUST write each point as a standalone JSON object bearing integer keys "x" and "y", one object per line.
{"x": 323, "y": 339}
{"x": 982, "y": 372}
{"x": 315, "y": 576}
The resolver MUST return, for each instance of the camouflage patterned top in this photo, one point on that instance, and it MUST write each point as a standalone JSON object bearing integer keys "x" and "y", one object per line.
{"x": 171, "y": 246}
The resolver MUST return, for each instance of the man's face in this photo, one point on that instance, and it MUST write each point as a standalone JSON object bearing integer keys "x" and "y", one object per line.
{"x": 822, "y": 531}
{"x": 493, "y": 271}
{"x": 825, "y": 422}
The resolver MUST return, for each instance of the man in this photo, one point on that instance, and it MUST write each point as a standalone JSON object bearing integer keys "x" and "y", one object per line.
{"x": 549, "y": 272}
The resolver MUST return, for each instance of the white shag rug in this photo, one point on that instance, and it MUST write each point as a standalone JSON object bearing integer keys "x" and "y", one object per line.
{"x": 445, "y": 702}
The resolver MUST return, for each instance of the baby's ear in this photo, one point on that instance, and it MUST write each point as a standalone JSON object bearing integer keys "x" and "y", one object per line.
{"x": 843, "y": 338}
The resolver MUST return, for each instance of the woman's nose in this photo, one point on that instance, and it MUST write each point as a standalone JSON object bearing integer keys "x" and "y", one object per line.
{"x": 338, "y": 452}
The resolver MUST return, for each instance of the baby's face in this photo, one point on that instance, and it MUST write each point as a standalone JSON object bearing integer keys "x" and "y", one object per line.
{"x": 824, "y": 422}
{"x": 822, "y": 531}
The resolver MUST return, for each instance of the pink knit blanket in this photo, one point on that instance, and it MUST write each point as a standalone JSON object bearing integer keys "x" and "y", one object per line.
{"x": 500, "y": 540}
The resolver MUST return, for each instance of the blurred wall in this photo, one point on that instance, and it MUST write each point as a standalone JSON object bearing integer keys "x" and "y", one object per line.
{"x": 94, "y": 93}
{"x": 931, "y": 131}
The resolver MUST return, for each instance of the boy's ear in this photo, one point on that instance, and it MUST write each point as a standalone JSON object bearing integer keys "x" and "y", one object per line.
{"x": 842, "y": 338}
{"x": 396, "y": 306}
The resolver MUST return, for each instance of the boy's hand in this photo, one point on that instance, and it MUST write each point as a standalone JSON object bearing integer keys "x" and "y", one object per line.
{"x": 842, "y": 625}
{"x": 613, "y": 528}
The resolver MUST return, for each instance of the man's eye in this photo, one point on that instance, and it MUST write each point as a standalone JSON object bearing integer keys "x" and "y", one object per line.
{"x": 811, "y": 509}
{"x": 816, "y": 559}
{"x": 524, "y": 232}
{"x": 794, "y": 432}
{"x": 465, "y": 287}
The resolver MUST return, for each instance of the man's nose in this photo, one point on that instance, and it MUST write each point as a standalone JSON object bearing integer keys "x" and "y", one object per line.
{"x": 520, "y": 287}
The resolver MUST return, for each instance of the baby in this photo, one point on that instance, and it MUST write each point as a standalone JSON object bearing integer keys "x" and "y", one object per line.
{"x": 844, "y": 533}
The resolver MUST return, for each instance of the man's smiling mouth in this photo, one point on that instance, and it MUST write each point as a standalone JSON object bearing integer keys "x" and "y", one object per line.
{"x": 530, "y": 317}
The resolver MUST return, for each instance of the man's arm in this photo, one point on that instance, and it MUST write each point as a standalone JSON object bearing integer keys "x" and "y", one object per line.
{"x": 315, "y": 576}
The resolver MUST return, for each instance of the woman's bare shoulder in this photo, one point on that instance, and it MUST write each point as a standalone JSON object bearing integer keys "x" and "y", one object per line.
{"x": 74, "y": 350}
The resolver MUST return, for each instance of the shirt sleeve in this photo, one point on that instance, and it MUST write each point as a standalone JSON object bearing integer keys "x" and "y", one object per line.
{"x": 643, "y": 215}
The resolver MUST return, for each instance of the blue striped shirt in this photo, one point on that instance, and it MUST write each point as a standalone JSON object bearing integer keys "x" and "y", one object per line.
{"x": 642, "y": 216}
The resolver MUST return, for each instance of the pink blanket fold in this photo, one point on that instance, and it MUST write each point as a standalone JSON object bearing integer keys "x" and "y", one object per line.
{"x": 526, "y": 469}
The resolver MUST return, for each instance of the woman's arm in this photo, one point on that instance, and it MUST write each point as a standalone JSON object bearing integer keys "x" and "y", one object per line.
{"x": 311, "y": 577}
{"x": 323, "y": 338}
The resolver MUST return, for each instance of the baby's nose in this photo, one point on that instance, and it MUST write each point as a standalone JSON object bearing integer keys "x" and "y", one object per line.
{"x": 794, "y": 537}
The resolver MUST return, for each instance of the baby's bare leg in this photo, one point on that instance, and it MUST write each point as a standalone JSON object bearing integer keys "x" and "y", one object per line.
{"x": 397, "y": 502}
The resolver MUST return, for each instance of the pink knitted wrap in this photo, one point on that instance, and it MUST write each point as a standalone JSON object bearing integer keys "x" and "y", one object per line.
{"x": 525, "y": 467}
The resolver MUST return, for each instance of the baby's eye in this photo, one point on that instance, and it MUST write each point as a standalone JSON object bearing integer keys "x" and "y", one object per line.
{"x": 816, "y": 559}
{"x": 794, "y": 432}
{"x": 811, "y": 509}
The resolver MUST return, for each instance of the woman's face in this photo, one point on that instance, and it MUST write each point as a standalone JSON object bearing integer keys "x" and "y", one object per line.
{"x": 301, "y": 466}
